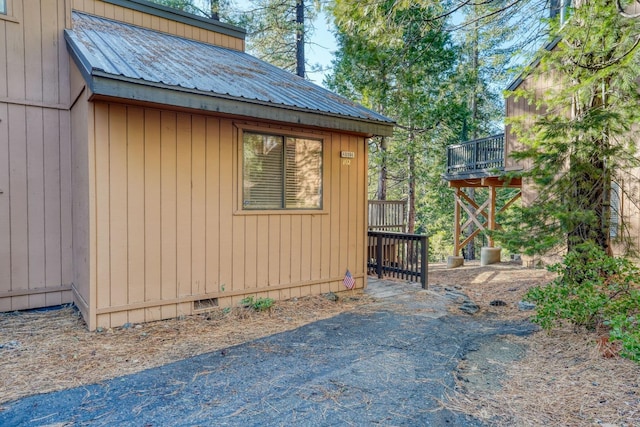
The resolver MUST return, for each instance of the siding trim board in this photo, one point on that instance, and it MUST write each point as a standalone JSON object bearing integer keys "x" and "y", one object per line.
{"x": 35, "y": 291}
{"x": 221, "y": 295}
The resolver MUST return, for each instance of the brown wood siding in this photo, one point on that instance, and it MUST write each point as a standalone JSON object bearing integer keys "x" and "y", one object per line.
{"x": 630, "y": 189}
{"x": 33, "y": 57}
{"x": 522, "y": 107}
{"x": 82, "y": 158}
{"x": 35, "y": 157}
{"x": 169, "y": 230}
{"x": 35, "y": 209}
{"x": 106, "y": 10}
{"x": 132, "y": 212}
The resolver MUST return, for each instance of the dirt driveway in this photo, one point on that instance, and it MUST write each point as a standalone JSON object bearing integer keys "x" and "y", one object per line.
{"x": 390, "y": 362}
{"x": 394, "y": 356}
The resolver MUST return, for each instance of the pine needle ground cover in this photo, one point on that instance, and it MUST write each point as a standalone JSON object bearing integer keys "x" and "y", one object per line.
{"x": 561, "y": 377}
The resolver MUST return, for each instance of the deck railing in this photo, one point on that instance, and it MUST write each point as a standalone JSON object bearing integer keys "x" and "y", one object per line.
{"x": 479, "y": 156}
{"x": 387, "y": 215}
{"x": 398, "y": 255}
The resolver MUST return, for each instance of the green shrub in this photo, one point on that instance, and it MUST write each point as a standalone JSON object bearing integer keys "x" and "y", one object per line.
{"x": 593, "y": 290}
{"x": 258, "y": 304}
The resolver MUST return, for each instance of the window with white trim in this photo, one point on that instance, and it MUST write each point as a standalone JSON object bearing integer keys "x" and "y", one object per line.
{"x": 281, "y": 172}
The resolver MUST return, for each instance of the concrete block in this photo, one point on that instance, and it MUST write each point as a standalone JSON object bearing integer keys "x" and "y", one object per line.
{"x": 455, "y": 261}
{"x": 490, "y": 255}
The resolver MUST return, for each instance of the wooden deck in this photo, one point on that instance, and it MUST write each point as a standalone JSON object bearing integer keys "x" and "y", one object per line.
{"x": 479, "y": 158}
{"x": 478, "y": 164}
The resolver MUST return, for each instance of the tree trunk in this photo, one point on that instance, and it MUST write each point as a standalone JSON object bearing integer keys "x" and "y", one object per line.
{"x": 591, "y": 192}
{"x": 381, "y": 193}
{"x": 300, "y": 68}
{"x": 592, "y": 188}
{"x": 470, "y": 251}
{"x": 411, "y": 217}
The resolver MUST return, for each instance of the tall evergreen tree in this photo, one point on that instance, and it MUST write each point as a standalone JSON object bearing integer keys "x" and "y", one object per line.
{"x": 212, "y": 9}
{"x": 481, "y": 53}
{"x": 279, "y": 30}
{"x": 389, "y": 60}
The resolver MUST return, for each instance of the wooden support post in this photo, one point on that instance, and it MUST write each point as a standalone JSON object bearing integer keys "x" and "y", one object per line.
{"x": 379, "y": 256}
{"x": 456, "y": 227}
{"x": 492, "y": 214}
{"x": 424, "y": 260}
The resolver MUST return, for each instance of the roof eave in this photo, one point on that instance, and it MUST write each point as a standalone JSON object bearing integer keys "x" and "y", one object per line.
{"x": 103, "y": 84}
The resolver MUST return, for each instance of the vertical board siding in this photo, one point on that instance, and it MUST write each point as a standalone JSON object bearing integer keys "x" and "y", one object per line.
{"x": 251, "y": 253}
{"x": 35, "y": 203}
{"x": 219, "y": 142}
{"x": 274, "y": 250}
{"x": 215, "y": 196}
{"x": 167, "y": 225}
{"x": 198, "y": 207}
{"x": 17, "y": 197}
{"x": 52, "y": 207}
{"x": 35, "y": 162}
{"x": 152, "y": 223}
{"x": 79, "y": 162}
{"x": 5, "y": 210}
{"x": 110, "y": 11}
{"x": 184, "y": 197}
{"x": 33, "y": 57}
{"x": 168, "y": 214}
{"x": 4, "y": 57}
{"x": 32, "y": 25}
{"x": 35, "y": 206}
{"x": 15, "y": 44}
{"x": 66, "y": 199}
{"x": 116, "y": 168}
{"x": 102, "y": 208}
{"x": 135, "y": 206}
{"x": 262, "y": 252}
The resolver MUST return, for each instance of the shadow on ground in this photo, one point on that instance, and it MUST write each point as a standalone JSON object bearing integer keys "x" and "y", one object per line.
{"x": 389, "y": 363}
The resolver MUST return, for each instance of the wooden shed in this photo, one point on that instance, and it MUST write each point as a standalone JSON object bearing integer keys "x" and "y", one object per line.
{"x": 149, "y": 168}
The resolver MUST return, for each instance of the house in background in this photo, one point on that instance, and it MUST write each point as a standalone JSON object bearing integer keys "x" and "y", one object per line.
{"x": 483, "y": 163}
{"x": 149, "y": 168}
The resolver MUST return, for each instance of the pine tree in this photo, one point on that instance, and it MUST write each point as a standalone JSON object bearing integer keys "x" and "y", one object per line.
{"x": 278, "y": 31}
{"x": 389, "y": 60}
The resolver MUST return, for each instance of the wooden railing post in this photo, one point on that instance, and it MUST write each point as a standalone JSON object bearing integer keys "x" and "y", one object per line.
{"x": 379, "y": 256}
{"x": 401, "y": 255}
{"x": 424, "y": 260}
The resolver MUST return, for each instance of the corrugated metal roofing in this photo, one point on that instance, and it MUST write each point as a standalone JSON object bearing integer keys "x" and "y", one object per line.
{"x": 113, "y": 48}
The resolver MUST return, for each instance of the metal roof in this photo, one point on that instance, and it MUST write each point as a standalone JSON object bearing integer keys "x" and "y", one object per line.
{"x": 123, "y": 60}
